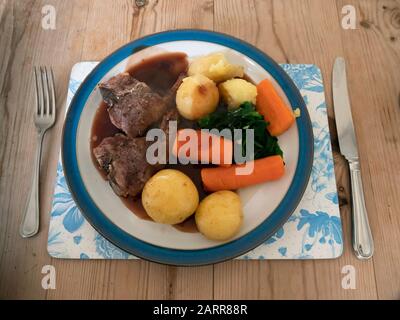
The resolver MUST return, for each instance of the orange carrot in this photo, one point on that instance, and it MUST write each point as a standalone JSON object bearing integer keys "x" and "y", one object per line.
{"x": 273, "y": 108}
{"x": 265, "y": 169}
{"x": 214, "y": 146}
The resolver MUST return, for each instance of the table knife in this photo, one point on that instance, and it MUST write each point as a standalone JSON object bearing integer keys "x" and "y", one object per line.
{"x": 362, "y": 241}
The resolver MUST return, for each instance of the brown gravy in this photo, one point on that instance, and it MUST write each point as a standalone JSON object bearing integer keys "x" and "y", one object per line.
{"x": 102, "y": 127}
{"x": 135, "y": 205}
{"x": 159, "y": 73}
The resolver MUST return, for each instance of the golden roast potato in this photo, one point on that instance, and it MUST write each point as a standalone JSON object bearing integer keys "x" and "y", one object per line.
{"x": 219, "y": 215}
{"x": 216, "y": 67}
{"x": 170, "y": 197}
{"x": 236, "y": 91}
{"x": 196, "y": 97}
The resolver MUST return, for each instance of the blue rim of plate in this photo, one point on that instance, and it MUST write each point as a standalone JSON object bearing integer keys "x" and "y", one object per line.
{"x": 162, "y": 255}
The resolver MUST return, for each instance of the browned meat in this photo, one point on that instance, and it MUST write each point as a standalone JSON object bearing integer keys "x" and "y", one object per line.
{"x": 124, "y": 161}
{"x": 133, "y": 106}
{"x": 171, "y": 115}
{"x": 170, "y": 97}
{"x": 178, "y": 82}
{"x": 117, "y": 87}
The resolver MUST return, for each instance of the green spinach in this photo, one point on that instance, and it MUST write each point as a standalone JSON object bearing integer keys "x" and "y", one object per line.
{"x": 245, "y": 117}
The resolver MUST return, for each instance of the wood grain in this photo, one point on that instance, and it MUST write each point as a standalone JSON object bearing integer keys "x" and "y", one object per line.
{"x": 306, "y": 31}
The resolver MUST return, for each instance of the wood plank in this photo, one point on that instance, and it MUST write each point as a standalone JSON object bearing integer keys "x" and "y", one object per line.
{"x": 22, "y": 260}
{"x": 180, "y": 283}
{"x": 295, "y": 32}
{"x": 164, "y": 15}
{"x": 306, "y": 31}
{"x": 373, "y": 49}
{"x": 135, "y": 279}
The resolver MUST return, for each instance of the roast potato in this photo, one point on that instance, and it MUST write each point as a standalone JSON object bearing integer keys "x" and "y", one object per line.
{"x": 170, "y": 197}
{"x": 219, "y": 215}
{"x": 236, "y": 91}
{"x": 216, "y": 67}
{"x": 196, "y": 97}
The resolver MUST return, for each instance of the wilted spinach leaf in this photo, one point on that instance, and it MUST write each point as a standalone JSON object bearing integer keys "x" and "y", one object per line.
{"x": 245, "y": 117}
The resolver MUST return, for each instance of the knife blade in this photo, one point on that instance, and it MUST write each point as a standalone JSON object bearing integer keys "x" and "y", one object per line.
{"x": 344, "y": 119}
{"x": 362, "y": 240}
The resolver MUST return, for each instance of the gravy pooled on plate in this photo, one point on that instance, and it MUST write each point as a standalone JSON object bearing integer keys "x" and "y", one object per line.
{"x": 158, "y": 77}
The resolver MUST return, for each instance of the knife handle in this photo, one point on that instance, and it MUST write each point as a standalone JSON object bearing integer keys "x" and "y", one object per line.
{"x": 363, "y": 244}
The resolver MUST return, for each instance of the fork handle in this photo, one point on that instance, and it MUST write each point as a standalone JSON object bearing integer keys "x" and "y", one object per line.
{"x": 30, "y": 223}
{"x": 363, "y": 244}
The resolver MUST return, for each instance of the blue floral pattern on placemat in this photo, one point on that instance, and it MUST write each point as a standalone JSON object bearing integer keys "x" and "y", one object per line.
{"x": 314, "y": 231}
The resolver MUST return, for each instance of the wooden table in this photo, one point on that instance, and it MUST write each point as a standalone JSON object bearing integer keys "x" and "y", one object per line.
{"x": 288, "y": 30}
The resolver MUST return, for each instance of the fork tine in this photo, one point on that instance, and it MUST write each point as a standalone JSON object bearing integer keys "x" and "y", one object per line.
{"x": 40, "y": 91}
{"x": 45, "y": 91}
{"x": 37, "y": 91}
{"x": 50, "y": 76}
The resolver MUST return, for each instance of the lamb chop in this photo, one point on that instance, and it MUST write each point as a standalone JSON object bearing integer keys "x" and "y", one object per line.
{"x": 133, "y": 108}
{"x": 124, "y": 160}
{"x": 133, "y": 105}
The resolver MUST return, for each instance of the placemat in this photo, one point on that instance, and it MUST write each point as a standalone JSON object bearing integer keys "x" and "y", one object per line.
{"x": 314, "y": 231}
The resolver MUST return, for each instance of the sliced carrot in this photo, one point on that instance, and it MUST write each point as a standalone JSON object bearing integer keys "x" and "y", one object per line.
{"x": 273, "y": 108}
{"x": 265, "y": 169}
{"x": 207, "y": 147}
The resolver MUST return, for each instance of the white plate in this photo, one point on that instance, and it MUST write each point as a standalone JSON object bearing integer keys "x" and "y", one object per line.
{"x": 258, "y": 201}
{"x": 266, "y": 206}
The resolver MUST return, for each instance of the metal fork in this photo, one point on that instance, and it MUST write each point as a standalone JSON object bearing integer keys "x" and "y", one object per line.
{"x": 44, "y": 117}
